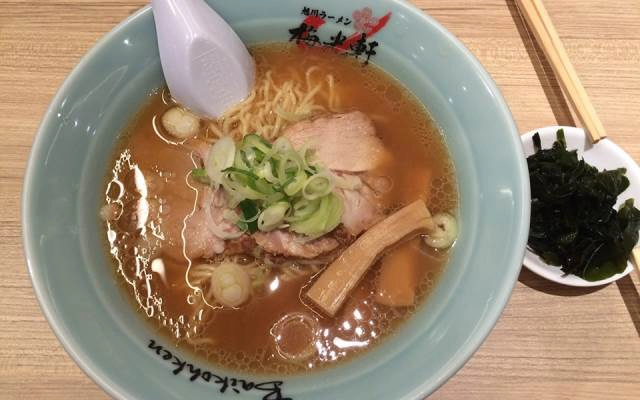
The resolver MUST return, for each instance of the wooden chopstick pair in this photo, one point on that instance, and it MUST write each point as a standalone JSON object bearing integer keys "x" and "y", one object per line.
{"x": 540, "y": 24}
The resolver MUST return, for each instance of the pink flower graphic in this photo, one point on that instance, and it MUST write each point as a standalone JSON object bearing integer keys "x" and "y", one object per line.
{"x": 364, "y": 20}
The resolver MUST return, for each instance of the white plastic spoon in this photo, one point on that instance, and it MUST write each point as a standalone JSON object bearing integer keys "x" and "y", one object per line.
{"x": 207, "y": 67}
{"x": 603, "y": 154}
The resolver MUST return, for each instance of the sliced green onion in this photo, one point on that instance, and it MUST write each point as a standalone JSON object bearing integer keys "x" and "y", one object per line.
{"x": 241, "y": 160}
{"x": 240, "y": 189}
{"x": 276, "y": 197}
{"x": 257, "y": 142}
{"x": 273, "y": 216}
{"x": 274, "y": 186}
{"x": 282, "y": 145}
{"x": 289, "y": 166}
{"x": 296, "y": 184}
{"x": 311, "y": 170}
{"x": 336, "y": 208}
{"x": 264, "y": 187}
{"x": 303, "y": 209}
{"x": 324, "y": 220}
{"x": 265, "y": 171}
{"x": 317, "y": 186}
{"x": 221, "y": 156}
{"x": 200, "y": 176}
{"x": 251, "y": 156}
{"x": 308, "y": 154}
{"x": 244, "y": 172}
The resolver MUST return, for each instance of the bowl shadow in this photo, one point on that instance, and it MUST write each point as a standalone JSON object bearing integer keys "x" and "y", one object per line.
{"x": 544, "y": 285}
{"x": 626, "y": 286}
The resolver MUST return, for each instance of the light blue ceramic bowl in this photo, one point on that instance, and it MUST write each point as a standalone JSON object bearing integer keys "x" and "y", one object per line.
{"x": 72, "y": 276}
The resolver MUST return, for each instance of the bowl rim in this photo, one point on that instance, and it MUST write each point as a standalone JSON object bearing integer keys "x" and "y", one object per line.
{"x": 84, "y": 361}
{"x": 458, "y": 360}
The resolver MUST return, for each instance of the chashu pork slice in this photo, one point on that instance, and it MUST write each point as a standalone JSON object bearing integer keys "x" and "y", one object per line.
{"x": 343, "y": 142}
{"x": 290, "y": 244}
{"x": 347, "y": 145}
{"x": 196, "y": 228}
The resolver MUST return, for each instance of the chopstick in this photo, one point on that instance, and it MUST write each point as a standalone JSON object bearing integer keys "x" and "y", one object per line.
{"x": 540, "y": 24}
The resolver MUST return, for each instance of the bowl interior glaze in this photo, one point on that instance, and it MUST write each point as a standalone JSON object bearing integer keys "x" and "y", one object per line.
{"x": 97, "y": 325}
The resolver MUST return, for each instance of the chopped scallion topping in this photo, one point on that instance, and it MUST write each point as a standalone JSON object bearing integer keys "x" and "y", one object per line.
{"x": 273, "y": 185}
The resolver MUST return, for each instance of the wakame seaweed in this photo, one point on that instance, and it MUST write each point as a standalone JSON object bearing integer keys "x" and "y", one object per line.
{"x": 573, "y": 220}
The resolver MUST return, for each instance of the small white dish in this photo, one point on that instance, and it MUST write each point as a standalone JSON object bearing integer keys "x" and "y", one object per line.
{"x": 603, "y": 155}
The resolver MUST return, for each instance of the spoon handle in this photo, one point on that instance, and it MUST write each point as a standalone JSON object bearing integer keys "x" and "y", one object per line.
{"x": 547, "y": 37}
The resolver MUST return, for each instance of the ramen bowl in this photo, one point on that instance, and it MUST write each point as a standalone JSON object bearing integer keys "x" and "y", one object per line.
{"x": 88, "y": 311}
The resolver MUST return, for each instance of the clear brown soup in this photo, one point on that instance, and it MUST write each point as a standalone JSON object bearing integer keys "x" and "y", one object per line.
{"x": 147, "y": 166}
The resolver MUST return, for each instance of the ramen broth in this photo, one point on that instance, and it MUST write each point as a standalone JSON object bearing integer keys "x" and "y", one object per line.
{"x": 149, "y": 182}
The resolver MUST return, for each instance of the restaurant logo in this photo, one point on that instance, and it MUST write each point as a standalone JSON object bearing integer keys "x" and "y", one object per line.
{"x": 353, "y": 37}
{"x": 271, "y": 390}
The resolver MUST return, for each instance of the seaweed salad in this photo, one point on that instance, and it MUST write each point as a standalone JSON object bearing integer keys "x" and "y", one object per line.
{"x": 574, "y": 223}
